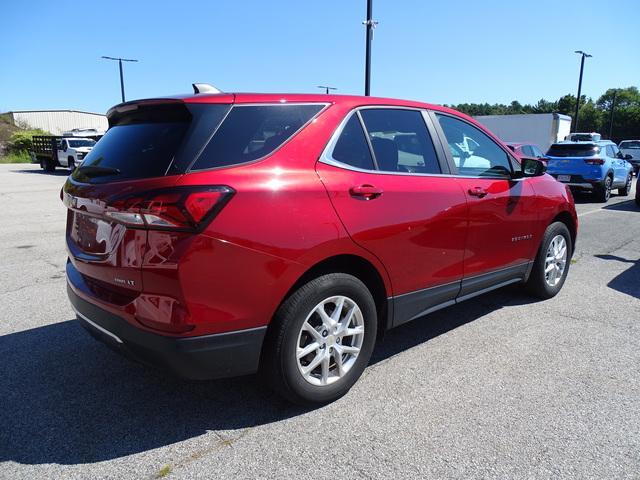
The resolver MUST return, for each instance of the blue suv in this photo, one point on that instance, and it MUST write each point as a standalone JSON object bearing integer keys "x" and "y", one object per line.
{"x": 595, "y": 166}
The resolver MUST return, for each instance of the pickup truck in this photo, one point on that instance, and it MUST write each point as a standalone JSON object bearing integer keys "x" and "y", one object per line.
{"x": 54, "y": 151}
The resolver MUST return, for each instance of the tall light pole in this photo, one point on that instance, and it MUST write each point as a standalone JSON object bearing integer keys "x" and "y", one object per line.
{"x": 326, "y": 88}
{"x": 613, "y": 108}
{"x": 584, "y": 55}
{"x": 120, "y": 60}
{"x": 370, "y": 24}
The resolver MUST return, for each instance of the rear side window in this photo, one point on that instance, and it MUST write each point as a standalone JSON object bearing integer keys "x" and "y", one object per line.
{"x": 573, "y": 150}
{"x": 252, "y": 132}
{"x": 351, "y": 148}
{"x": 610, "y": 151}
{"x": 400, "y": 140}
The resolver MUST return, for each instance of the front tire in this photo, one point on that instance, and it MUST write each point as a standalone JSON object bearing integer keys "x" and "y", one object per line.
{"x": 552, "y": 262}
{"x": 321, "y": 339}
{"x": 624, "y": 191}
{"x": 71, "y": 164}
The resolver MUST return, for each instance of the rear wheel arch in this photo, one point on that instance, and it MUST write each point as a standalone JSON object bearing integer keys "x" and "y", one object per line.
{"x": 357, "y": 266}
{"x": 567, "y": 219}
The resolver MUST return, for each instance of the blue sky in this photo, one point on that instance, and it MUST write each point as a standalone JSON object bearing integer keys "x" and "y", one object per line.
{"x": 440, "y": 52}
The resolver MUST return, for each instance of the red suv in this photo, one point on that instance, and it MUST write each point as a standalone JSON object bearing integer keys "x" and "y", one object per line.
{"x": 225, "y": 234}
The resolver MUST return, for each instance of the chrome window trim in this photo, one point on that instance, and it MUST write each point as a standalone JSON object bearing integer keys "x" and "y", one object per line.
{"x": 325, "y": 106}
{"x": 326, "y": 156}
{"x": 367, "y": 138}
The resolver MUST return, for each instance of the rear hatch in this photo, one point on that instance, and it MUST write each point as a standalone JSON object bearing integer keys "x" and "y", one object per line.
{"x": 573, "y": 158}
{"x": 147, "y": 148}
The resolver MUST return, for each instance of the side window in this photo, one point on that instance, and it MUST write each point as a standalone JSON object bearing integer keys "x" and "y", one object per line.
{"x": 527, "y": 151}
{"x": 610, "y": 152}
{"x": 615, "y": 150}
{"x": 352, "y": 148}
{"x": 485, "y": 159}
{"x": 253, "y": 131}
{"x": 400, "y": 140}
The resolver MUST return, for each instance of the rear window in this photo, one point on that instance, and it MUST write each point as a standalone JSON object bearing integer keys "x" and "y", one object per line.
{"x": 573, "y": 150}
{"x": 150, "y": 141}
{"x": 631, "y": 144}
{"x": 253, "y": 131}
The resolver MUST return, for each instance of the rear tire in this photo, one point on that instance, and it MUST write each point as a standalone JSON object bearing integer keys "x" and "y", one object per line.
{"x": 545, "y": 282}
{"x": 624, "y": 191}
{"x": 339, "y": 350}
{"x": 603, "y": 192}
{"x": 49, "y": 166}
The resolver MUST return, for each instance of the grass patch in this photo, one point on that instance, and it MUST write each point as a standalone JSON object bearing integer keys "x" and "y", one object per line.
{"x": 164, "y": 471}
{"x": 16, "y": 157}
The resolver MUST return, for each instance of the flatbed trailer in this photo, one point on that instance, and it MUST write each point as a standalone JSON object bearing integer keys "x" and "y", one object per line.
{"x": 52, "y": 151}
{"x": 45, "y": 151}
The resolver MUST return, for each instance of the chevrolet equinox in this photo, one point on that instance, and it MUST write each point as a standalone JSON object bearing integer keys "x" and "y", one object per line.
{"x": 221, "y": 234}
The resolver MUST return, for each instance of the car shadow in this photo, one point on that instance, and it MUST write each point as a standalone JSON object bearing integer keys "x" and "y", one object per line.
{"x": 626, "y": 206}
{"x": 627, "y": 282}
{"x": 582, "y": 198}
{"x": 63, "y": 172}
{"x": 67, "y": 399}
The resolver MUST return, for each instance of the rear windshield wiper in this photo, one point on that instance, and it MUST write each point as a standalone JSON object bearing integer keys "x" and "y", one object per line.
{"x": 96, "y": 170}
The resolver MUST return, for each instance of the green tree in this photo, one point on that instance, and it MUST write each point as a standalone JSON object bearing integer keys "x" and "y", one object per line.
{"x": 20, "y": 141}
{"x": 567, "y": 104}
{"x": 589, "y": 117}
{"x": 626, "y": 117}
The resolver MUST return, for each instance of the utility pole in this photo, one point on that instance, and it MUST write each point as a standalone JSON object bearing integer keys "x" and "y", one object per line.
{"x": 584, "y": 55}
{"x": 613, "y": 107}
{"x": 370, "y": 24}
{"x": 327, "y": 88}
{"x": 120, "y": 60}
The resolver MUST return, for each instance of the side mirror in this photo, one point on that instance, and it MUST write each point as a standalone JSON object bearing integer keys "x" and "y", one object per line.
{"x": 628, "y": 157}
{"x": 532, "y": 167}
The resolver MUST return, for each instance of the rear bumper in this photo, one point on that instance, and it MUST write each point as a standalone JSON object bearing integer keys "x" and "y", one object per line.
{"x": 578, "y": 181}
{"x": 197, "y": 358}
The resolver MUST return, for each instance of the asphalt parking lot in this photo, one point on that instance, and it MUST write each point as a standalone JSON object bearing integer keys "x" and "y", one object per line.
{"x": 499, "y": 387}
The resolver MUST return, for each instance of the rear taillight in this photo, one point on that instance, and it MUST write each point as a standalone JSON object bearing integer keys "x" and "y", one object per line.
{"x": 180, "y": 208}
{"x": 594, "y": 161}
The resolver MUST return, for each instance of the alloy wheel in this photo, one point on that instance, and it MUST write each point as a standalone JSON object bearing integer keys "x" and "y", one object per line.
{"x": 330, "y": 340}
{"x": 555, "y": 261}
{"x": 607, "y": 188}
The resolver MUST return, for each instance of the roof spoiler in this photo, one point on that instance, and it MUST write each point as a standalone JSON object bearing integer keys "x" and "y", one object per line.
{"x": 204, "y": 88}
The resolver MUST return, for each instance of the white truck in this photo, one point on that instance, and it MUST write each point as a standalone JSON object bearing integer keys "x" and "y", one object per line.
{"x": 53, "y": 151}
{"x": 541, "y": 129}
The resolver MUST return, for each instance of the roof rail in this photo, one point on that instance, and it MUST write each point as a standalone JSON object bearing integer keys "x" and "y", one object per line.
{"x": 204, "y": 88}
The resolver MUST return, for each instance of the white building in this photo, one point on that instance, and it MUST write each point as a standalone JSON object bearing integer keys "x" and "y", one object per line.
{"x": 58, "y": 121}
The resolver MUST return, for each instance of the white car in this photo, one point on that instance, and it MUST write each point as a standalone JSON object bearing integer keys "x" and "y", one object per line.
{"x": 632, "y": 148}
